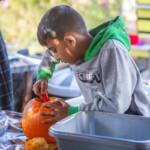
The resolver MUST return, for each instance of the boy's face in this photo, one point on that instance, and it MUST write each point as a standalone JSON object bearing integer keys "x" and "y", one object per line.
{"x": 63, "y": 50}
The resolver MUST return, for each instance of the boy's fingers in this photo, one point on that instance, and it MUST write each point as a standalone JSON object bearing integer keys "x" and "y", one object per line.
{"x": 39, "y": 94}
{"x": 51, "y": 105}
{"x": 50, "y": 120}
{"x": 61, "y": 101}
{"x": 48, "y": 105}
{"x": 43, "y": 88}
{"x": 36, "y": 91}
{"x": 54, "y": 106}
{"x": 47, "y": 113}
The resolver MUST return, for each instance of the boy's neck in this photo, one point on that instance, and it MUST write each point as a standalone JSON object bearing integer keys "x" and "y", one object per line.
{"x": 85, "y": 42}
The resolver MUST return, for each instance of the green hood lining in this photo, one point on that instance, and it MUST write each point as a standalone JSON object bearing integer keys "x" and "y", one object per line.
{"x": 113, "y": 29}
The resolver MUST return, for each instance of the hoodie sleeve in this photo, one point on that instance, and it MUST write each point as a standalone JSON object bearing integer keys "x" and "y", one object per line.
{"x": 118, "y": 79}
{"x": 47, "y": 65}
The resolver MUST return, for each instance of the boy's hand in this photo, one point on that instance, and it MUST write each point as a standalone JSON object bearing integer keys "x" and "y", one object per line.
{"x": 40, "y": 87}
{"x": 59, "y": 112}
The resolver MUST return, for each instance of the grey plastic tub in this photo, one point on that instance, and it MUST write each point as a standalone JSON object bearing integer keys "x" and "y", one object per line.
{"x": 102, "y": 131}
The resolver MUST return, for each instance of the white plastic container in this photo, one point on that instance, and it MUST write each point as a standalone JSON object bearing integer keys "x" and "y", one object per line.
{"x": 63, "y": 83}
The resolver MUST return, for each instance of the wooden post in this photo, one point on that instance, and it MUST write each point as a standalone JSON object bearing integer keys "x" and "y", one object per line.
{"x": 27, "y": 94}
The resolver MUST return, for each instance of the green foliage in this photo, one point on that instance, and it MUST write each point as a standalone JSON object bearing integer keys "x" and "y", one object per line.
{"x": 95, "y": 13}
{"x": 19, "y": 21}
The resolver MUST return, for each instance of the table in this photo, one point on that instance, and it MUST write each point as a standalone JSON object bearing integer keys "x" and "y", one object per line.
{"x": 144, "y": 52}
{"x": 11, "y": 133}
{"x": 23, "y": 65}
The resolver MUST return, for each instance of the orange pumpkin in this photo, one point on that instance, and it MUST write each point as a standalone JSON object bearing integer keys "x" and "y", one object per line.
{"x": 32, "y": 120}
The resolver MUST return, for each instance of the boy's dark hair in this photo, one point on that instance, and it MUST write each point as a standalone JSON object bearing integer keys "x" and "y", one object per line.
{"x": 59, "y": 20}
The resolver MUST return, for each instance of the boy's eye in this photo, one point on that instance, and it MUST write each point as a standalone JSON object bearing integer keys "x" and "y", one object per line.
{"x": 55, "y": 51}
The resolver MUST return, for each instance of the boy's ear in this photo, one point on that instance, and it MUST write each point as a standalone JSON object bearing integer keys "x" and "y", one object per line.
{"x": 70, "y": 40}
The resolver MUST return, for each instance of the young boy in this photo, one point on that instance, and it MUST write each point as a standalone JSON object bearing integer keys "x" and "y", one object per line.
{"x": 104, "y": 70}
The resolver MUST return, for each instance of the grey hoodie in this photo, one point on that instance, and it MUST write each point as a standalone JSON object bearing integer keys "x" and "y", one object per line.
{"x": 111, "y": 82}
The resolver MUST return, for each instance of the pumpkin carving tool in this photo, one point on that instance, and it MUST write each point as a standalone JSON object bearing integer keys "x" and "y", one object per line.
{"x": 45, "y": 97}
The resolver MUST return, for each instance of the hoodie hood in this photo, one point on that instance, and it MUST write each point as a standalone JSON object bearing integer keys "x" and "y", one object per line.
{"x": 114, "y": 29}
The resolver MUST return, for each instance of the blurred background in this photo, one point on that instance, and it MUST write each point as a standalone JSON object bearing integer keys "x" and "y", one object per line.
{"x": 18, "y": 24}
{"x": 19, "y": 19}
